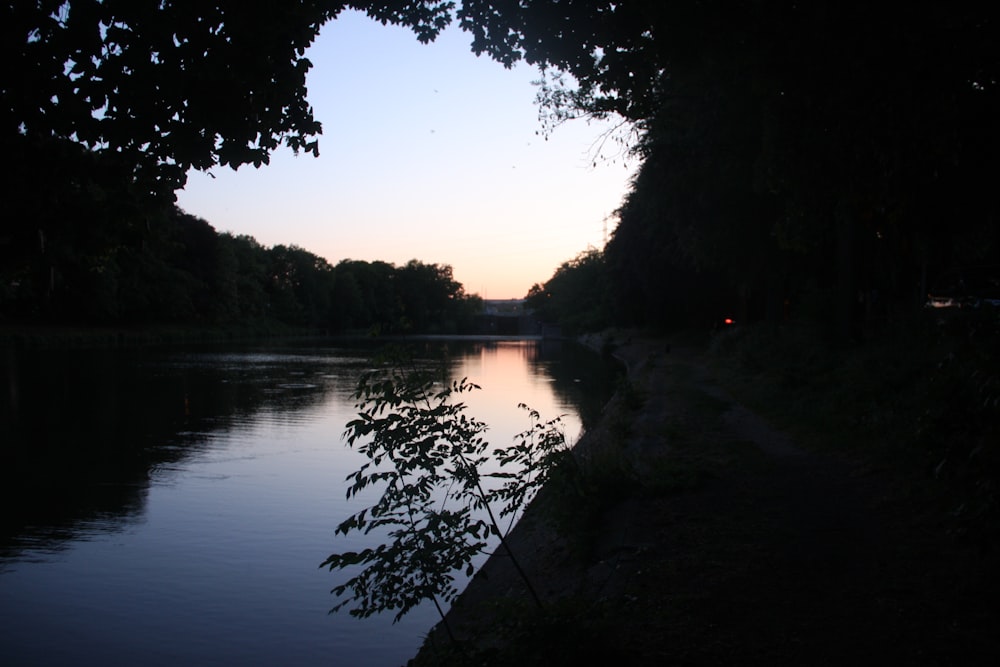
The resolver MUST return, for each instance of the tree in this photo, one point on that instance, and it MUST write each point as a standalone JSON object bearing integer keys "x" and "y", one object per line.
{"x": 842, "y": 146}
{"x": 365, "y": 297}
{"x": 846, "y": 146}
{"x": 164, "y": 87}
{"x": 105, "y": 106}
{"x": 440, "y": 495}
{"x": 429, "y": 296}
{"x": 609, "y": 49}
{"x": 575, "y": 296}
{"x": 300, "y": 287}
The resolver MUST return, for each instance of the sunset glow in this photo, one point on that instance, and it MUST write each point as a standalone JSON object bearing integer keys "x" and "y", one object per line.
{"x": 428, "y": 153}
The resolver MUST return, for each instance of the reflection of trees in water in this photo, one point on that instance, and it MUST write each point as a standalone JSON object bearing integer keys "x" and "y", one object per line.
{"x": 83, "y": 432}
{"x": 48, "y": 522}
{"x": 583, "y": 379}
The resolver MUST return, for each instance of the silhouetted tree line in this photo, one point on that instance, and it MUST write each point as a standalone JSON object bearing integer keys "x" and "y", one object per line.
{"x": 576, "y": 296}
{"x": 107, "y": 105}
{"x": 94, "y": 257}
{"x": 825, "y": 160}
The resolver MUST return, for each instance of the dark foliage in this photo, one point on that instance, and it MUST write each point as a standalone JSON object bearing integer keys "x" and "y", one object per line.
{"x": 171, "y": 268}
{"x": 164, "y": 87}
{"x": 576, "y": 296}
{"x": 822, "y": 159}
{"x": 106, "y": 107}
{"x": 825, "y": 160}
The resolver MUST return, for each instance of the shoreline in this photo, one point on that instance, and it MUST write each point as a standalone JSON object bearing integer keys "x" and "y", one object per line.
{"x": 80, "y": 337}
{"x": 539, "y": 546}
{"x": 730, "y": 543}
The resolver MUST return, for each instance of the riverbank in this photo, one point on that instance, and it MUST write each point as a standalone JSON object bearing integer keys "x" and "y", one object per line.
{"x": 83, "y": 337}
{"x": 725, "y": 541}
{"x": 79, "y": 337}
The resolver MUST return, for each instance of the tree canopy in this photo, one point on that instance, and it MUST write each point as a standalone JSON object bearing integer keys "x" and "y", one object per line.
{"x": 164, "y": 86}
{"x": 179, "y": 270}
{"x": 821, "y": 156}
{"x": 106, "y": 105}
{"x": 840, "y": 148}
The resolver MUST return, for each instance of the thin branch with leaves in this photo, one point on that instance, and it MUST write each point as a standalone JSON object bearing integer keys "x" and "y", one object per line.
{"x": 427, "y": 457}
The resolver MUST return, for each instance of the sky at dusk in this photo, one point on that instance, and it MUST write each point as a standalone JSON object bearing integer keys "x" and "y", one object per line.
{"x": 427, "y": 153}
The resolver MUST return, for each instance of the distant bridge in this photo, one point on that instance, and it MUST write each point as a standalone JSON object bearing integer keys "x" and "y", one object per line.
{"x": 511, "y": 317}
{"x": 505, "y": 307}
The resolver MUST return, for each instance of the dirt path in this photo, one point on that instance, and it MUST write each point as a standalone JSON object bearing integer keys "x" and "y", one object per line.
{"x": 736, "y": 547}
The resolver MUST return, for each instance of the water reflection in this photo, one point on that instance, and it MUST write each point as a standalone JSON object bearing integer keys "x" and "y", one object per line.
{"x": 205, "y": 484}
{"x": 83, "y": 432}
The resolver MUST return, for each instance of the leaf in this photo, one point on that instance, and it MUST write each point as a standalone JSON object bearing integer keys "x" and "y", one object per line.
{"x": 428, "y": 452}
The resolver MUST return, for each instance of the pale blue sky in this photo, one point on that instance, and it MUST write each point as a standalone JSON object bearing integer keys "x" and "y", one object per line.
{"x": 428, "y": 153}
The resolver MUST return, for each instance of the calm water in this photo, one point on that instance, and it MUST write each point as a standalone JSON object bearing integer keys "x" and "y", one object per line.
{"x": 172, "y": 507}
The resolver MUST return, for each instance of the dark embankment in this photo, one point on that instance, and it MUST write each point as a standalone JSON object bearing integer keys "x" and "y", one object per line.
{"x": 764, "y": 499}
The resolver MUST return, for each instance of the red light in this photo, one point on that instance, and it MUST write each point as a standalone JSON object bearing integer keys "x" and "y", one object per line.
{"x": 728, "y": 320}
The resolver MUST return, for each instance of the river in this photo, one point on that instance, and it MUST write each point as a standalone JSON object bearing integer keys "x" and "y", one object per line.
{"x": 172, "y": 506}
